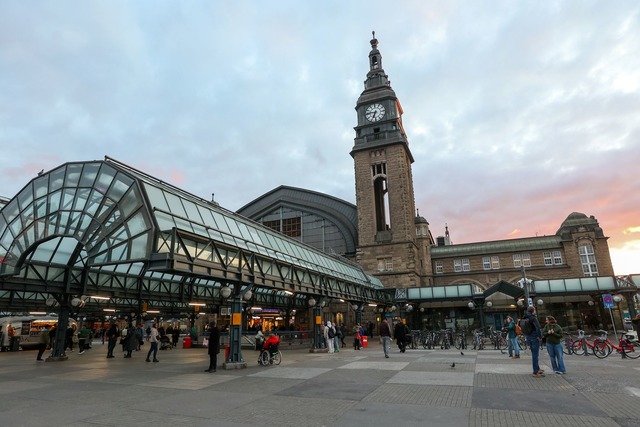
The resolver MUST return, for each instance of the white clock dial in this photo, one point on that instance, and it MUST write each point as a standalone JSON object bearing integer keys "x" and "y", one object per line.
{"x": 374, "y": 112}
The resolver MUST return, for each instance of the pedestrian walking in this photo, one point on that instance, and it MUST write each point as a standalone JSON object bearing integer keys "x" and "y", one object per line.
{"x": 512, "y": 337}
{"x": 42, "y": 343}
{"x": 385, "y": 337}
{"x": 153, "y": 340}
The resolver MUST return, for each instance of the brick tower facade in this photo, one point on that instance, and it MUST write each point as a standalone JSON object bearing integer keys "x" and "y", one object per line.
{"x": 387, "y": 242}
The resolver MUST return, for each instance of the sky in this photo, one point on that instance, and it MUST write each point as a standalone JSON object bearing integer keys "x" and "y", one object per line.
{"x": 517, "y": 113}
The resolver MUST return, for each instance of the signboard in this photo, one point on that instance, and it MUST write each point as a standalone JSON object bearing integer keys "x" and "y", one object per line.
{"x": 607, "y": 300}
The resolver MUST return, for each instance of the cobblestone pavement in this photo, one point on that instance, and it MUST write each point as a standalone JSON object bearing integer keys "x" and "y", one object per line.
{"x": 416, "y": 388}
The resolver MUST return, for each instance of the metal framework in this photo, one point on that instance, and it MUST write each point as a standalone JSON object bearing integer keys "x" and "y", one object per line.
{"x": 101, "y": 234}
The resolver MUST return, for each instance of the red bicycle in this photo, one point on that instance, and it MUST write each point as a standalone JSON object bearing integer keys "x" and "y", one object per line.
{"x": 626, "y": 347}
{"x": 581, "y": 346}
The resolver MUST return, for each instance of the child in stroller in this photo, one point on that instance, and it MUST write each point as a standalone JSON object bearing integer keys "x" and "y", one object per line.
{"x": 165, "y": 342}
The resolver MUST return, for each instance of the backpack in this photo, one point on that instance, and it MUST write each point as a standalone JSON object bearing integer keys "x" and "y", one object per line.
{"x": 518, "y": 330}
{"x": 331, "y": 332}
{"x": 526, "y": 326}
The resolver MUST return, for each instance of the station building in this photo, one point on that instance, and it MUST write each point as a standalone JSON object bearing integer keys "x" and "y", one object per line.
{"x": 437, "y": 284}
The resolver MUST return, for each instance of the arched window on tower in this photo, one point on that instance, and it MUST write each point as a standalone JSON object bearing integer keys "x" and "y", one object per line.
{"x": 374, "y": 62}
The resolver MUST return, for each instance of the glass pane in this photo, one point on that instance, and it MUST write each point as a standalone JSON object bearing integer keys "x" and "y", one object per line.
{"x": 572, "y": 285}
{"x": 156, "y": 197}
{"x": 139, "y": 247}
{"x": 54, "y": 200}
{"x": 165, "y": 222}
{"x": 205, "y": 214}
{"x": 439, "y": 292}
{"x": 41, "y": 186}
{"x": 10, "y": 211}
{"x": 130, "y": 202}
{"x": 192, "y": 211}
{"x": 68, "y": 197}
{"x": 82, "y": 197}
{"x": 120, "y": 185}
{"x": 64, "y": 251}
{"x": 105, "y": 179}
{"x": 41, "y": 208}
{"x": 426, "y": 293}
{"x": 73, "y": 175}
{"x": 44, "y": 251}
{"x": 137, "y": 224}
{"x": 222, "y": 225}
{"x": 89, "y": 173}
{"x": 175, "y": 204}
{"x": 25, "y": 197}
{"x": 56, "y": 179}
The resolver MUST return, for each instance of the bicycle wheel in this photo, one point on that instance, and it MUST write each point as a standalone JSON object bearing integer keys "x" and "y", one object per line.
{"x": 277, "y": 357}
{"x": 630, "y": 349}
{"x": 458, "y": 343}
{"x": 567, "y": 346}
{"x": 502, "y": 343}
{"x": 578, "y": 347}
{"x": 264, "y": 358}
{"x": 601, "y": 349}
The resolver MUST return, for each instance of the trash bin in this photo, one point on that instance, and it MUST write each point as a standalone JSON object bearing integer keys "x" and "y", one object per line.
{"x": 365, "y": 341}
{"x": 186, "y": 342}
{"x": 14, "y": 344}
{"x": 227, "y": 350}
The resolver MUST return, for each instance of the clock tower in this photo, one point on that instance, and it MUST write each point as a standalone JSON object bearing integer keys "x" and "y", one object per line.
{"x": 387, "y": 244}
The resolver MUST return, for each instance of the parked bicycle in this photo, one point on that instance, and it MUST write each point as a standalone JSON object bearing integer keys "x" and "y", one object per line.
{"x": 626, "y": 347}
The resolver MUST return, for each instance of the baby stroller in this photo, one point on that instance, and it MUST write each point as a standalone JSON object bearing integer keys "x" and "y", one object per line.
{"x": 165, "y": 343}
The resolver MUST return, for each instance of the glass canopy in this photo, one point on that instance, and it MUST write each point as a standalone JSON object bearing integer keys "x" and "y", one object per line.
{"x": 102, "y": 227}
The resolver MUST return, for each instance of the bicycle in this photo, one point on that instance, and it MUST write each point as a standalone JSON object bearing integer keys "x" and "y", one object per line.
{"x": 626, "y": 347}
{"x": 581, "y": 346}
{"x": 270, "y": 356}
{"x": 460, "y": 341}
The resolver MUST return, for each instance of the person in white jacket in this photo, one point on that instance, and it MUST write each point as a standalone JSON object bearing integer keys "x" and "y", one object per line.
{"x": 327, "y": 338}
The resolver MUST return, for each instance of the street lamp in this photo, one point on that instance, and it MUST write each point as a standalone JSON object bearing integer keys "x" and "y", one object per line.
{"x": 525, "y": 283}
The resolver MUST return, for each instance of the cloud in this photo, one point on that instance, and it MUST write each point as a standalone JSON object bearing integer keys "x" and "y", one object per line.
{"x": 517, "y": 113}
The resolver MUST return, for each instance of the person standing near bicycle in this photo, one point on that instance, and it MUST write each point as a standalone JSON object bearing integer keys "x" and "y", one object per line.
{"x": 214, "y": 346}
{"x": 534, "y": 337}
{"x": 510, "y": 327}
{"x": 552, "y": 333}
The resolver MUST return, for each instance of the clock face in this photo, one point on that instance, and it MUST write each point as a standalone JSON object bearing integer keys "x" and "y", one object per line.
{"x": 374, "y": 112}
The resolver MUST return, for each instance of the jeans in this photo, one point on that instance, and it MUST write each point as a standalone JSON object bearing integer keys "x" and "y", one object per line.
{"x": 154, "y": 349}
{"x": 534, "y": 345}
{"x": 556, "y": 356}
{"x": 513, "y": 346}
{"x": 386, "y": 345}
{"x": 336, "y": 344}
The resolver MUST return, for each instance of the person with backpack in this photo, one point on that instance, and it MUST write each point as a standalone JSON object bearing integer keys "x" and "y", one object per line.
{"x": 329, "y": 335}
{"x": 512, "y": 336}
{"x": 531, "y": 329}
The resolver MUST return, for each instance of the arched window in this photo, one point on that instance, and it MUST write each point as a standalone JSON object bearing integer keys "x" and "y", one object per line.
{"x": 588, "y": 259}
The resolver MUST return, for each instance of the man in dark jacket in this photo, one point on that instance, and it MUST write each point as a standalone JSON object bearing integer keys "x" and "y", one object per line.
{"x": 534, "y": 339}
{"x": 214, "y": 346}
{"x": 112, "y": 334}
{"x": 399, "y": 333}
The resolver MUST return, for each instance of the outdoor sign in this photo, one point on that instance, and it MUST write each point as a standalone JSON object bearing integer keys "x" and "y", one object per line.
{"x": 607, "y": 300}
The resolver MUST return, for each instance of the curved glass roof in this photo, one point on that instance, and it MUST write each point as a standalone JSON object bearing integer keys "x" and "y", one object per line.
{"x": 105, "y": 220}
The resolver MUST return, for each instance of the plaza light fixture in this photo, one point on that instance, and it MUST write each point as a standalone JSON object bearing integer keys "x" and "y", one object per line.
{"x": 225, "y": 291}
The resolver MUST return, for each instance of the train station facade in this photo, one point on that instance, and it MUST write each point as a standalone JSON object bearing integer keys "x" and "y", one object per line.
{"x": 97, "y": 237}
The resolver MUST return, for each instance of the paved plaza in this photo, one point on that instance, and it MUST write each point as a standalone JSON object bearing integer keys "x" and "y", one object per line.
{"x": 349, "y": 388}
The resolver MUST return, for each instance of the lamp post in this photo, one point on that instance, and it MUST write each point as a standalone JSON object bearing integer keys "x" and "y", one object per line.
{"x": 525, "y": 283}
